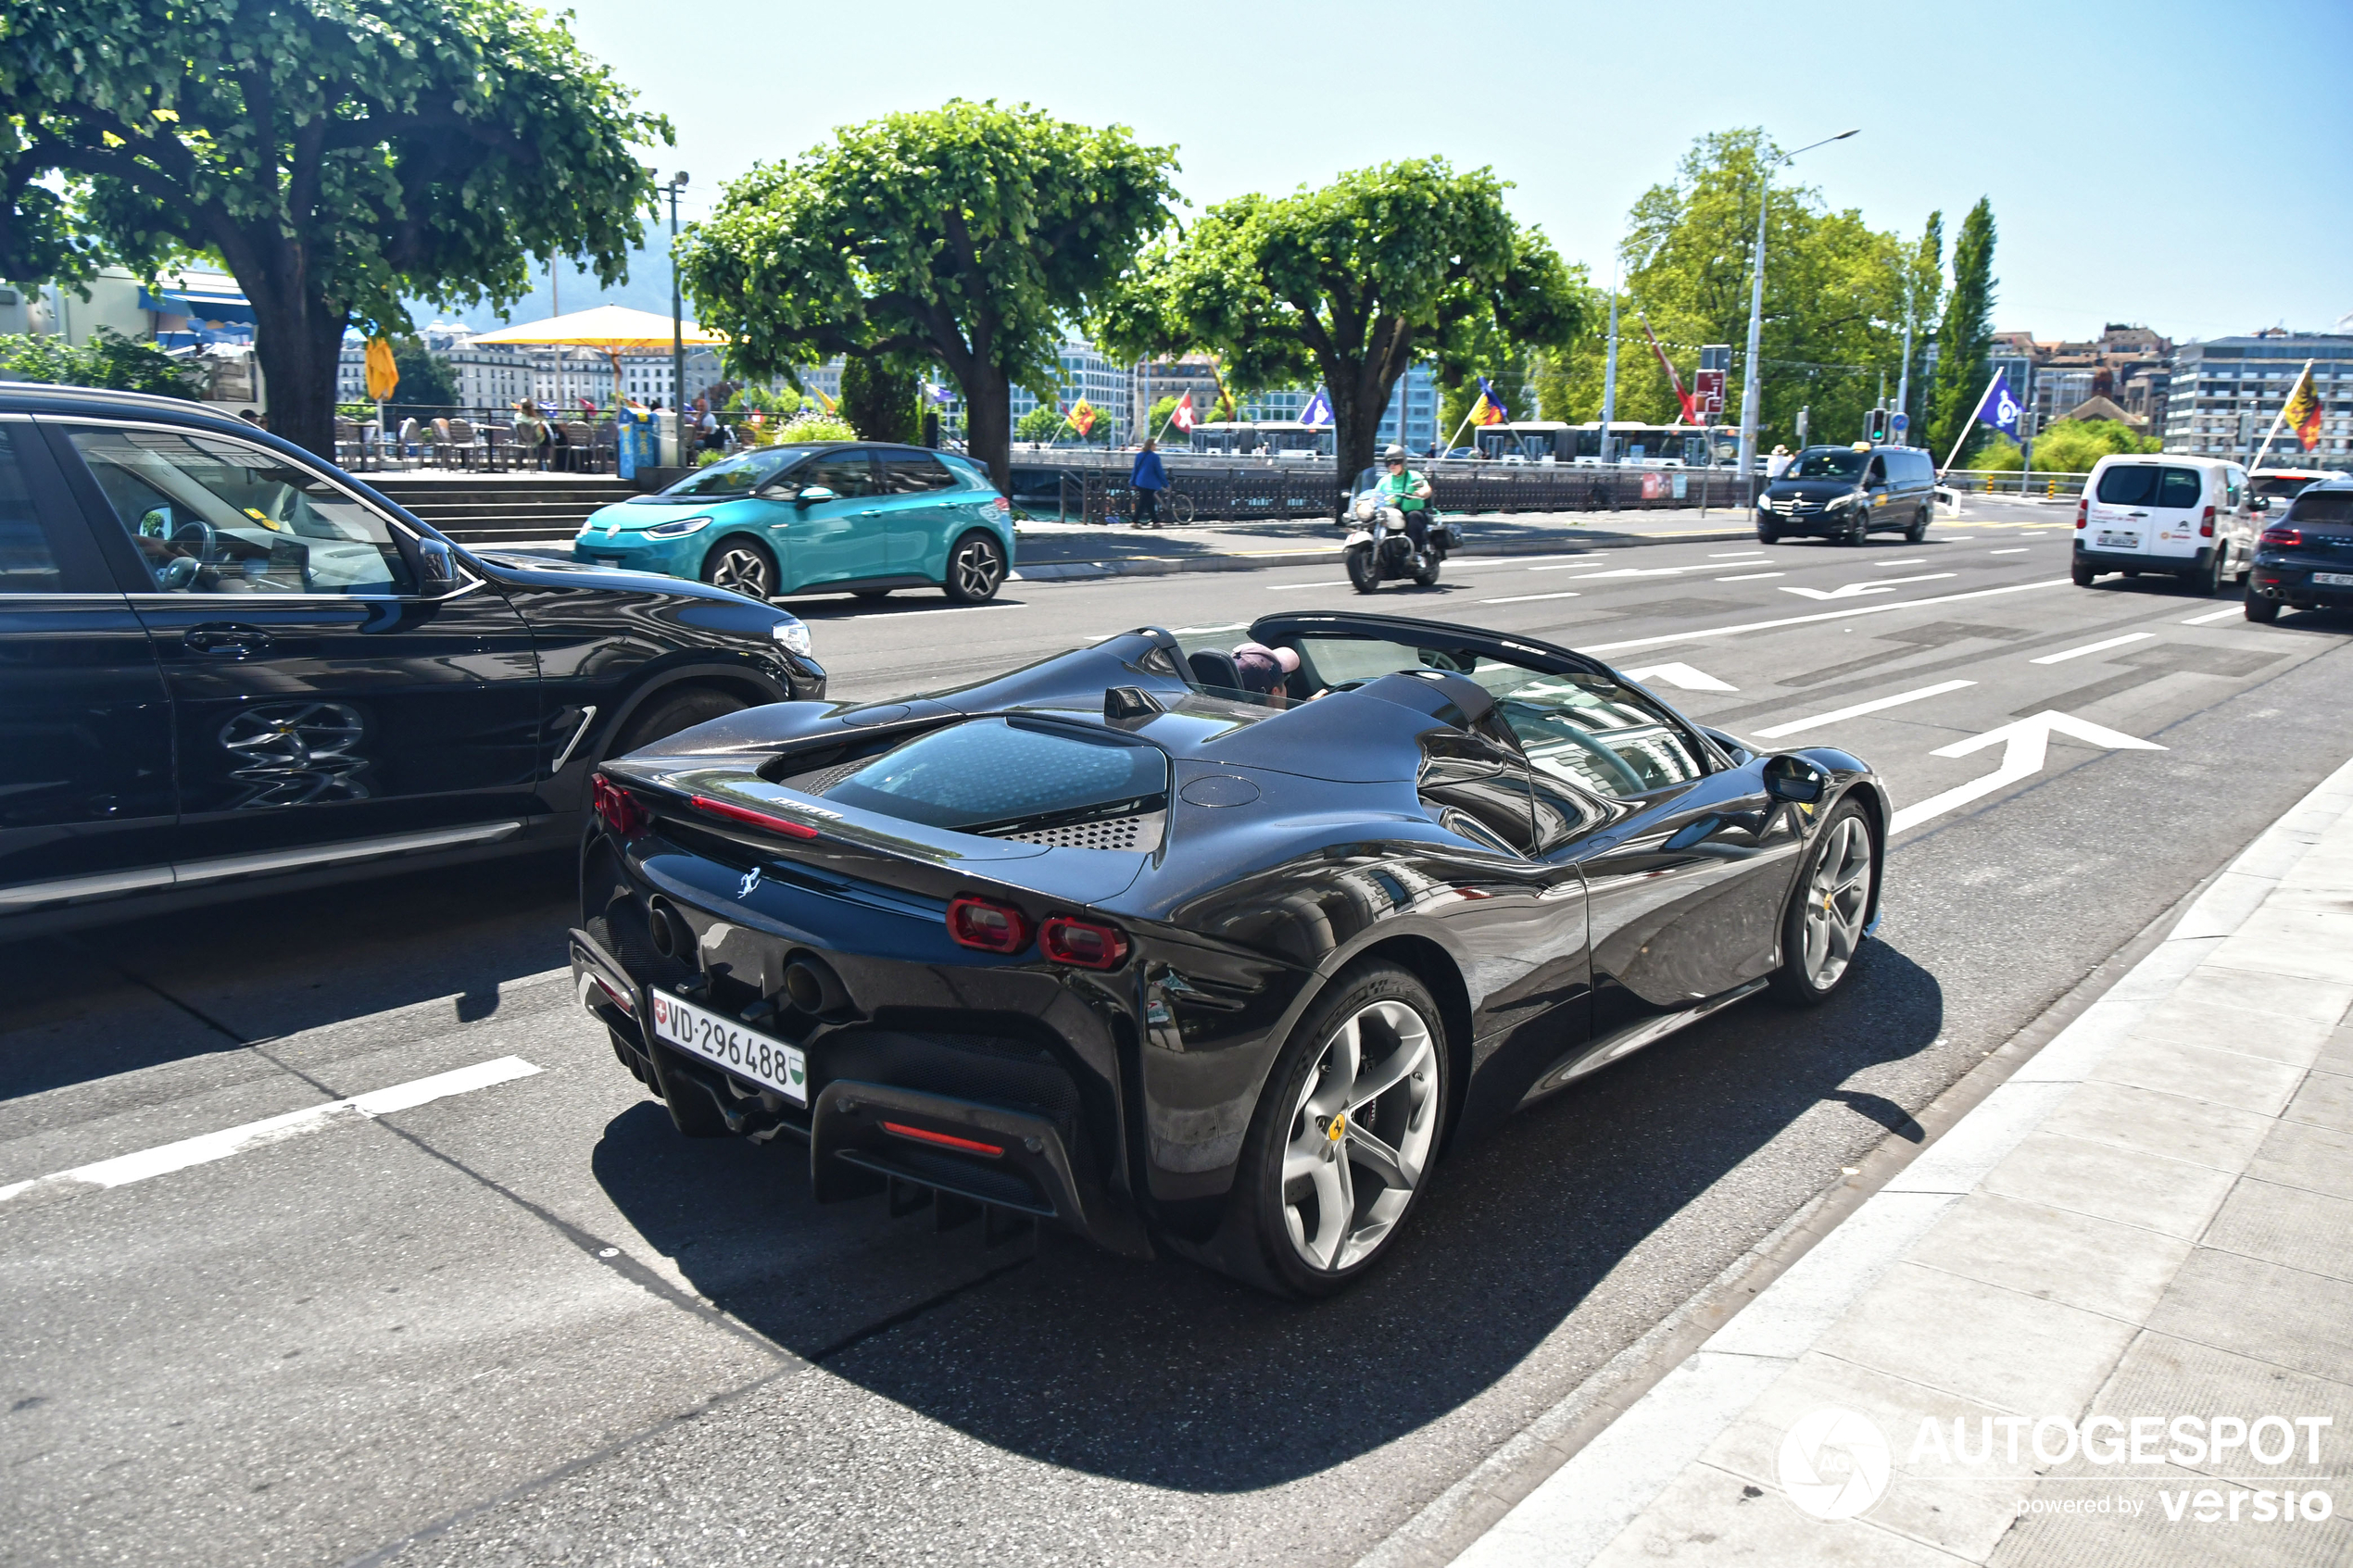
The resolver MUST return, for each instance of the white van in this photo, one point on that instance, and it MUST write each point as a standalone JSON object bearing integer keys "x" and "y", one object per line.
{"x": 2152, "y": 511}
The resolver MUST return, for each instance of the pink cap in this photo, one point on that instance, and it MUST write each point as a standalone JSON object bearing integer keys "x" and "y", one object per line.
{"x": 1286, "y": 660}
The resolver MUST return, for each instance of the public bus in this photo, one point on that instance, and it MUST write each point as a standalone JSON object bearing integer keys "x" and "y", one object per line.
{"x": 1263, "y": 438}
{"x": 1635, "y": 444}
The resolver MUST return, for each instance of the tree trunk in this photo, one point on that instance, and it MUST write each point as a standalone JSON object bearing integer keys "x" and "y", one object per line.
{"x": 299, "y": 345}
{"x": 988, "y": 423}
{"x": 1357, "y": 424}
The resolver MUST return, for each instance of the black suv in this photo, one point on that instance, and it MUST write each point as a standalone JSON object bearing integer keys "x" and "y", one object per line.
{"x": 1843, "y": 493}
{"x": 2305, "y": 560}
{"x": 225, "y": 663}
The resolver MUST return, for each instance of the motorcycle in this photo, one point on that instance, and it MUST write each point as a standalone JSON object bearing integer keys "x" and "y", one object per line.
{"x": 1378, "y": 549}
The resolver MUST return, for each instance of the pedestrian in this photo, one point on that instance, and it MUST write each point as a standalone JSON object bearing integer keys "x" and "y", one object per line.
{"x": 529, "y": 429}
{"x": 1148, "y": 478}
{"x": 1264, "y": 670}
{"x": 409, "y": 433}
{"x": 1778, "y": 464}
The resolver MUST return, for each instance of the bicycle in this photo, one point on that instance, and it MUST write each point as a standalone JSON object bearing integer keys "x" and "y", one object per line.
{"x": 1176, "y": 508}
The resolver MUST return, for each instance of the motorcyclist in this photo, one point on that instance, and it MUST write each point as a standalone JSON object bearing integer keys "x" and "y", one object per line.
{"x": 1409, "y": 493}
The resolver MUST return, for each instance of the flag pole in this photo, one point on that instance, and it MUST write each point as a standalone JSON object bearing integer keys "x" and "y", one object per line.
{"x": 1969, "y": 426}
{"x": 2272, "y": 435}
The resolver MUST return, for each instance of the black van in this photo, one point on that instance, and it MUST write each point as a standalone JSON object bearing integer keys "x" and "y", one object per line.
{"x": 1843, "y": 493}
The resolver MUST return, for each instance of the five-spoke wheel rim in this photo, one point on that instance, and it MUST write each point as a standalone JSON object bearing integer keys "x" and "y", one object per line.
{"x": 1838, "y": 896}
{"x": 743, "y": 569}
{"x": 1361, "y": 1134}
{"x": 977, "y": 568}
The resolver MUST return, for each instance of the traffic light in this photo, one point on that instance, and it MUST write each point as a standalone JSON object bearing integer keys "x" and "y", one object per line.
{"x": 1875, "y": 427}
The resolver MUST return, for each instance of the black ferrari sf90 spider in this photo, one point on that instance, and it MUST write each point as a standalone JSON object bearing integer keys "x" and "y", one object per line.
{"x": 1117, "y": 942}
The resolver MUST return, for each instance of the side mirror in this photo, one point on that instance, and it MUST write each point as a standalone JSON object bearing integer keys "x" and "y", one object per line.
{"x": 437, "y": 569}
{"x": 809, "y": 492}
{"x": 1793, "y": 781}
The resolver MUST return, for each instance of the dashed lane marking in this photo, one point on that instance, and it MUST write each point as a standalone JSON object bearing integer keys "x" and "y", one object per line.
{"x": 1858, "y": 709}
{"x": 205, "y": 1148}
{"x": 2101, "y": 647}
{"x": 1293, "y": 587}
{"x": 1523, "y": 598}
{"x": 2013, "y": 550}
{"x": 2214, "y": 615}
{"x": 1850, "y": 613}
{"x": 1752, "y": 577}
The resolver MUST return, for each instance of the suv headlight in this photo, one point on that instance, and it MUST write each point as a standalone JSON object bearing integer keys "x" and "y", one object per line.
{"x": 677, "y": 528}
{"x": 793, "y": 635}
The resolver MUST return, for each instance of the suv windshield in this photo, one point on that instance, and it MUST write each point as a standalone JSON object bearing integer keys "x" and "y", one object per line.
{"x": 740, "y": 475}
{"x": 2323, "y": 506}
{"x": 997, "y": 774}
{"x": 1830, "y": 462}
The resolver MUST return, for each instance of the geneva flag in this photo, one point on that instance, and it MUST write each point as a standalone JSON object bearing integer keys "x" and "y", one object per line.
{"x": 2303, "y": 411}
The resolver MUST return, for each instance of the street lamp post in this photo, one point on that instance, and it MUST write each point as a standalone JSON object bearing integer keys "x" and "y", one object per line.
{"x": 1747, "y": 458}
{"x": 672, "y": 187}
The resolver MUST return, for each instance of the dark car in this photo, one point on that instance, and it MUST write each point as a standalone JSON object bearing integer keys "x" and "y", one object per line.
{"x": 2305, "y": 561}
{"x": 225, "y": 664}
{"x": 1110, "y": 942}
{"x": 1844, "y": 493}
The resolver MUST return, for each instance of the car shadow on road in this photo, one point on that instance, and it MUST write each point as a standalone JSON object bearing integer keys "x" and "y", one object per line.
{"x": 1582, "y": 1212}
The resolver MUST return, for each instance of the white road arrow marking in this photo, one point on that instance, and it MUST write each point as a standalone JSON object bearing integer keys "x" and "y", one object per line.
{"x": 1855, "y": 590}
{"x": 1681, "y": 676}
{"x": 1873, "y": 706}
{"x": 2024, "y": 745}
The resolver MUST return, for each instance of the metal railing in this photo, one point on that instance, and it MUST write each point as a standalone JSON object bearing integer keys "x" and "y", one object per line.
{"x": 2033, "y": 483}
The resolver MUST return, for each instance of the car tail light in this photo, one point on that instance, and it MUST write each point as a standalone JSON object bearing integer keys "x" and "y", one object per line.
{"x": 987, "y": 925}
{"x": 945, "y": 1140}
{"x": 1003, "y": 505}
{"x": 617, "y": 808}
{"x": 2083, "y": 510}
{"x": 2205, "y": 524}
{"x": 1081, "y": 942}
{"x": 619, "y": 997}
{"x": 2282, "y": 536}
{"x": 751, "y": 817}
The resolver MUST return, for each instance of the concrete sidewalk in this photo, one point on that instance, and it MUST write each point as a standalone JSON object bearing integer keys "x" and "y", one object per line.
{"x": 2143, "y": 1236}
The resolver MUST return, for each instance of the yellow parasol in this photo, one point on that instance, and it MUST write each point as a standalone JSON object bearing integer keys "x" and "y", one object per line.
{"x": 616, "y": 328}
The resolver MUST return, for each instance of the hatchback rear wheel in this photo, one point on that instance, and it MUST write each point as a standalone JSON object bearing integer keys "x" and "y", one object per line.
{"x": 975, "y": 568}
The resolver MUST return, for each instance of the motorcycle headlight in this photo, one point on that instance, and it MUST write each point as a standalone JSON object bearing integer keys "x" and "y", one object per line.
{"x": 677, "y": 528}
{"x": 1365, "y": 508}
{"x": 793, "y": 635}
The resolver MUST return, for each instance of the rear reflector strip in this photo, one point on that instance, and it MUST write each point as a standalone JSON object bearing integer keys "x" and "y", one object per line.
{"x": 751, "y": 817}
{"x": 619, "y": 998}
{"x": 945, "y": 1140}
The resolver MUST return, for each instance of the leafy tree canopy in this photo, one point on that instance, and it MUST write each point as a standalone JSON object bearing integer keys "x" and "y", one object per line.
{"x": 112, "y": 360}
{"x": 966, "y": 236}
{"x": 879, "y": 402}
{"x": 1348, "y": 285}
{"x": 426, "y": 382}
{"x": 2064, "y": 446}
{"x": 334, "y": 155}
{"x": 1965, "y": 337}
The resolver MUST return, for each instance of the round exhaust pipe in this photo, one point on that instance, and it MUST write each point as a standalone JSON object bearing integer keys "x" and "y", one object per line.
{"x": 671, "y": 936}
{"x": 813, "y": 986}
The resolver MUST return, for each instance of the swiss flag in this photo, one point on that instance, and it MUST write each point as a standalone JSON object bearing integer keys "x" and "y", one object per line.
{"x": 1182, "y": 416}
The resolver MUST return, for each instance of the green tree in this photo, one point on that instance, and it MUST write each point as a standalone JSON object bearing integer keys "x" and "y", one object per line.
{"x": 1965, "y": 338}
{"x": 2066, "y": 446}
{"x": 1042, "y": 423}
{"x": 335, "y": 157}
{"x": 426, "y": 387}
{"x": 1348, "y": 285}
{"x": 1162, "y": 411}
{"x": 965, "y": 236}
{"x": 1928, "y": 284}
{"x": 879, "y": 402}
{"x": 111, "y": 360}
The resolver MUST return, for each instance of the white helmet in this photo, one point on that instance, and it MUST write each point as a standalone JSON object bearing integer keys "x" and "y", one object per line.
{"x": 1394, "y": 455}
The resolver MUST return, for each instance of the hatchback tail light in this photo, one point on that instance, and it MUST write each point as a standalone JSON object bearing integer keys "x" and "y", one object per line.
{"x": 2083, "y": 510}
{"x": 1003, "y": 505}
{"x": 2205, "y": 524}
{"x": 1082, "y": 942}
{"x": 2283, "y": 537}
{"x": 987, "y": 925}
{"x": 750, "y": 818}
{"x": 617, "y": 808}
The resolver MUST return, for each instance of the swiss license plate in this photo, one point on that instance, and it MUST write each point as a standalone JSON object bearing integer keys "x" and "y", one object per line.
{"x": 746, "y": 1052}
{"x": 2333, "y": 579}
{"x": 2119, "y": 540}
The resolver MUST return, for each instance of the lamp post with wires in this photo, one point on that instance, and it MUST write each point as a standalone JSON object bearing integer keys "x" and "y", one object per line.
{"x": 672, "y": 187}
{"x": 1750, "y": 378}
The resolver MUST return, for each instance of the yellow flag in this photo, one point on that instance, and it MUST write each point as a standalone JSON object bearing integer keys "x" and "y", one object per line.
{"x": 1083, "y": 415}
{"x": 383, "y": 374}
{"x": 2303, "y": 411}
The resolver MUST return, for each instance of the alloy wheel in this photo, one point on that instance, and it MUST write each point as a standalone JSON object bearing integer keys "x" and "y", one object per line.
{"x": 977, "y": 570}
{"x": 743, "y": 569}
{"x": 1837, "y": 897}
{"x": 1361, "y": 1135}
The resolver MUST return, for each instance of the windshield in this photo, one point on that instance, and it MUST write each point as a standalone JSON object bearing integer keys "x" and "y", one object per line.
{"x": 1000, "y": 773}
{"x": 1830, "y": 462}
{"x": 2323, "y": 506}
{"x": 740, "y": 475}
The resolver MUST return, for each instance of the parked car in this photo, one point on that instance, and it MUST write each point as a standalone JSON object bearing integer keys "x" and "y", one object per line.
{"x": 2154, "y": 512}
{"x": 227, "y": 666}
{"x": 1114, "y": 943}
{"x": 827, "y": 517}
{"x": 2305, "y": 560}
{"x": 1846, "y": 494}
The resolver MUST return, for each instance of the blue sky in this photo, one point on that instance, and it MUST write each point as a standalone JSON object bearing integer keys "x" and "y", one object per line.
{"x": 2144, "y": 159}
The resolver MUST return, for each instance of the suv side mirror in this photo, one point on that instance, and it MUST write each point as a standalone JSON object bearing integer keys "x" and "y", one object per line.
{"x": 809, "y": 492}
{"x": 1793, "y": 781}
{"x": 437, "y": 569}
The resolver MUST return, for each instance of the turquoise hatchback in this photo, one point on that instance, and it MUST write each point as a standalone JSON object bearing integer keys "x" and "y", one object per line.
{"x": 845, "y": 518}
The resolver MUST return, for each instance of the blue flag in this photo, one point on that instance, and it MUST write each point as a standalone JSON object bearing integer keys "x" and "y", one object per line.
{"x": 2000, "y": 410}
{"x": 1319, "y": 410}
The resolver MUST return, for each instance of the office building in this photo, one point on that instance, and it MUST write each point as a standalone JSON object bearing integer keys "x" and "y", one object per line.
{"x": 2226, "y": 394}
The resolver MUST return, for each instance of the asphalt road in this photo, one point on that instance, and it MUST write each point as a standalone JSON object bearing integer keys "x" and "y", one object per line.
{"x": 523, "y": 1321}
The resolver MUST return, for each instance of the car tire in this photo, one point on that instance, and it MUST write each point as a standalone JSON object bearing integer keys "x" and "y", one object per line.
{"x": 975, "y": 568}
{"x": 2261, "y": 610}
{"x": 1297, "y": 1170}
{"x": 2208, "y": 581}
{"x": 744, "y": 564}
{"x": 1918, "y": 531}
{"x": 2081, "y": 574}
{"x": 666, "y": 713}
{"x": 1822, "y": 928}
{"x": 1767, "y": 535}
